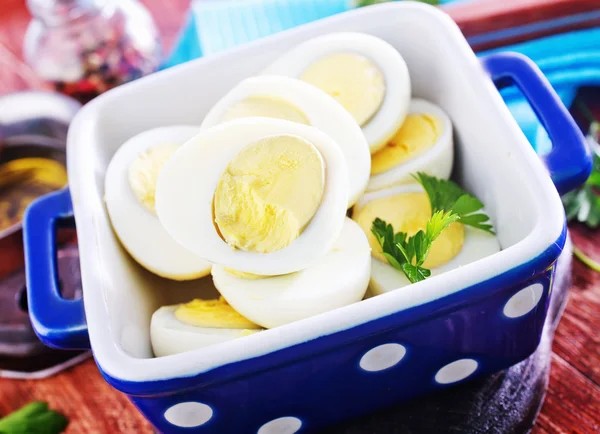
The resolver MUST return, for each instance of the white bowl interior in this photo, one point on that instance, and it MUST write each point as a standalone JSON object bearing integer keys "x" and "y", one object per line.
{"x": 492, "y": 159}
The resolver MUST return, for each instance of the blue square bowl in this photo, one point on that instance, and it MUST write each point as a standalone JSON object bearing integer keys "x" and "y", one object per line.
{"x": 311, "y": 373}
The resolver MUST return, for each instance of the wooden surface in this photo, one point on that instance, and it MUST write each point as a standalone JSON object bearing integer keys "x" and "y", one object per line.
{"x": 573, "y": 399}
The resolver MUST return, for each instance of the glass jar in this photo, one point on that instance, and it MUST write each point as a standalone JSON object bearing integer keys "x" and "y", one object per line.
{"x": 85, "y": 47}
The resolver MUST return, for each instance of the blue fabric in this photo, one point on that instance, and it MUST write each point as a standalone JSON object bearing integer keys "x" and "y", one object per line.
{"x": 216, "y": 25}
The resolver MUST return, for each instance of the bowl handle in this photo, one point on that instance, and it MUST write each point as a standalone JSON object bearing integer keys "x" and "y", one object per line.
{"x": 570, "y": 161}
{"x": 58, "y": 322}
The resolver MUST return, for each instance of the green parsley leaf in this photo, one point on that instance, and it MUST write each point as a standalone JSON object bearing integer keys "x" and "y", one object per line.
{"x": 583, "y": 204}
{"x": 363, "y": 3}
{"x": 34, "y": 418}
{"x": 449, "y": 204}
{"x": 414, "y": 273}
{"x": 408, "y": 254}
{"x": 445, "y": 195}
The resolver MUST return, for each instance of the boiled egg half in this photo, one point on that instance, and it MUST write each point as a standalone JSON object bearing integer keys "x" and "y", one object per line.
{"x": 129, "y": 191}
{"x": 197, "y": 324}
{"x": 364, "y": 73}
{"x": 293, "y": 100}
{"x": 422, "y": 144}
{"x": 257, "y": 195}
{"x": 339, "y": 279}
{"x": 407, "y": 209}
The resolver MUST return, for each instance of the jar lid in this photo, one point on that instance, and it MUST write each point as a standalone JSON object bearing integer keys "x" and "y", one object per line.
{"x": 33, "y": 132}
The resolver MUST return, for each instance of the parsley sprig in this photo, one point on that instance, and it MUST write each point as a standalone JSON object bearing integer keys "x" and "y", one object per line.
{"x": 449, "y": 204}
{"x": 583, "y": 204}
{"x": 448, "y": 196}
{"x": 34, "y": 418}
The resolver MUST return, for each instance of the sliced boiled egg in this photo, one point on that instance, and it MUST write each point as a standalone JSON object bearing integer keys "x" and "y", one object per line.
{"x": 257, "y": 195}
{"x": 129, "y": 191}
{"x": 422, "y": 144}
{"x": 407, "y": 209}
{"x": 293, "y": 100}
{"x": 199, "y": 323}
{"x": 364, "y": 73}
{"x": 338, "y": 279}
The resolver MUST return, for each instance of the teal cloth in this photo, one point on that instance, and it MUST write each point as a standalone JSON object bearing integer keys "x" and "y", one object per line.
{"x": 216, "y": 25}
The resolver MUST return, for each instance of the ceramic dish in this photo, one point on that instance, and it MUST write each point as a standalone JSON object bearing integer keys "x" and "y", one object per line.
{"x": 314, "y": 372}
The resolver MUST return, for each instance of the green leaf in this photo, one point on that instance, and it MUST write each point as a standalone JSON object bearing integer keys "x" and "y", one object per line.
{"x": 442, "y": 193}
{"x": 467, "y": 204}
{"x": 415, "y": 273}
{"x": 402, "y": 246}
{"x": 363, "y": 3}
{"x": 392, "y": 261}
{"x": 400, "y": 238}
{"x": 420, "y": 247}
{"x": 449, "y": 204}
{"x": 593, "y": 218}
{"x": 440, "y": 221}
{"x": 571, "y": 202}
{"x": 583, "y": 204}
{"x": 408, "y": 254}
{"x": 594, "y": 179}
{"x": 34, "y": 418}
{"x": 445, "y": 195}
{"x": 29, "y": 410}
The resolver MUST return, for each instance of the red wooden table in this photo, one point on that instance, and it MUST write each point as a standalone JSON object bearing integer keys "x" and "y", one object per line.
{"x": 572, "y": 403}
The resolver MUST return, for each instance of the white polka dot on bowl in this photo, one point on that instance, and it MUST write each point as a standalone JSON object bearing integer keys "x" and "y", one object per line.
{"x": 382, "y": 357}
{"x": 524, "y": 301}
{"x": 282, "y": 425}
{"x": 456, "y": 371}
{"x": 188, "y": 414}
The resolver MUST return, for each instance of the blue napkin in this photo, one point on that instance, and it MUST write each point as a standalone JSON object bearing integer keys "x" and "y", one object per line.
{"x": 214, "y": 25}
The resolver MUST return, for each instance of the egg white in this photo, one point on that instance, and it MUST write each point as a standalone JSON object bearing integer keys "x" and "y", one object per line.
{"x": 436, "y": 161}
{"x": 169, "y": 336}
{"x": 384, "y": 278}
{"x": 187, "y": 183}
{"x": 321, "y": 110}
{"x": 138, "y": 230}
{"x": 388, "y": 119}
{"x": 339, "y": 279}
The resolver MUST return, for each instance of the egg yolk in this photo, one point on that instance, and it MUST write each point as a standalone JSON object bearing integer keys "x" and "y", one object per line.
{"x": 244, "y": 275}
{"x": 216, "y": 314}
{"x": 409, "y": 213}
{"x": 144, "y": 171}
{"x": 265, "y": 107}
{"x": 269, "y": 192}
{"x": 418, "y": 133}
{"x": 353, "y": 80}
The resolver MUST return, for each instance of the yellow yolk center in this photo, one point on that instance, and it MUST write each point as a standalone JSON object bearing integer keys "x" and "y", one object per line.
{"x": 216, "y": 314}
{"x": 409, "y": 213}
{"x": 244, "y": 275}
{"x": 418, "y": 133}
{"x": 353, "y": 80}
{"x": 265, "y": 107}
{"x": 269, "y": 193}
{"x": 144, "y": 171}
